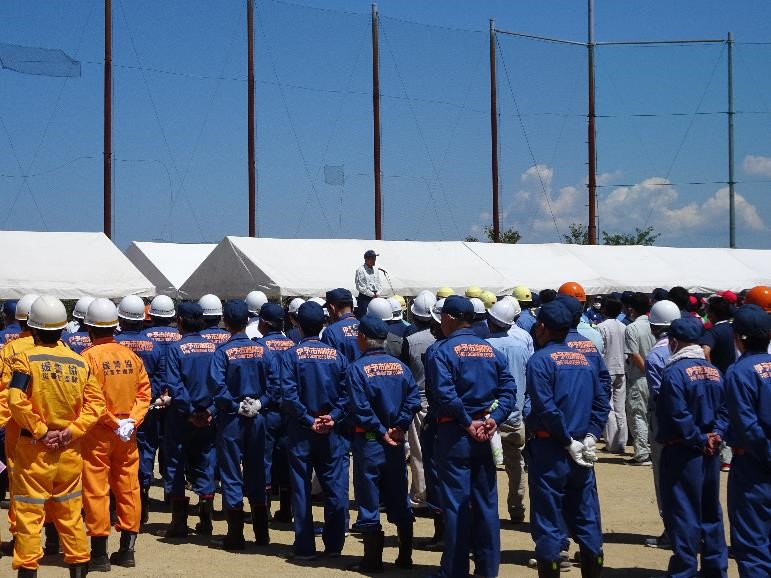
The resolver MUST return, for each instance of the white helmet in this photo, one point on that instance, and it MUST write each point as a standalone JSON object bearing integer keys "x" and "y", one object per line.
{"x": 81, "y": 307}
{"x": 426, "y": 292}
{"x": 47, "y": 312}
{"x": 211, "y": 305}
{"x": 479, "y": 306}
{"x": 294, "y": 304}
{"x": 436, "y": 310}
{"x": 663, "y": 313}
{"x": 321, "y": 301}
{"x": 24, "y": 305}
{"x": 101, "y": 313}
{"x": 255, "y": 300}
{"x": 505, "y": 311}
{"x": 132, "y": 308}
{"x": 380, "y": 307}
{"x": 162, "y": 306}
{"x": 421, "y": 306}
{"x": 396, "y": 308}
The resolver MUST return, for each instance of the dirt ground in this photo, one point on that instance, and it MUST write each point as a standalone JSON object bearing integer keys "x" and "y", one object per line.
{"x": 628, "y": 517}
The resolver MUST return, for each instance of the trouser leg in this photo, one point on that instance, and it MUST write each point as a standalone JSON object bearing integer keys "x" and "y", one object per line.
{"x": 714, "y": 554}
{"x": 331, "y": 463}
{"x": 513, "y": 439}
{"x": 681, "y": 488}
{"x": 368, "y": 462}
{"x": 417, "y": 477}
{"x": 637, "y": 414}
{"x": 484, "y": 511}
{"x": 124, "y": 482}
{"x": 97, "y": 461}
{"x": 749, "y": 510}
{"x": 548, "y": 470}
{"x": 616, "y": 430}
{"x": 300, "y": 472}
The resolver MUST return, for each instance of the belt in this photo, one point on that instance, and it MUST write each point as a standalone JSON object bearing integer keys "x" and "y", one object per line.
{"x": 674, "y": 442}
{"x": 738, "y": 451}
{"x": 26, "y": 433}
{"x": 541, "y": 434}
{"x": 448, "y": 419}
{"x": 359, "y": 429}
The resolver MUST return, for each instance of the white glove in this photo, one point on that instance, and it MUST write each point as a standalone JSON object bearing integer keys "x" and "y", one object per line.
{"x": 249, "y": 407}
{"x": 125, "y": 429}
{"x": 590, "y": 448}
{"x": 576, "y": 451}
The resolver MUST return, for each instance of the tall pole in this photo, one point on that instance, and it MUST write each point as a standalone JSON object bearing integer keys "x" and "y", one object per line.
{"x": 250, "y": 114}
{"x": 592, "y": 152}
{"x": 494, "y": 135}
{"x": 376, "y": 124}
{"x": 731, "y": 196}
{"x": 107, "y": 124}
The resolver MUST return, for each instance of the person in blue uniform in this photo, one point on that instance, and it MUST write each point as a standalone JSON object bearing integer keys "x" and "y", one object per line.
{"x": 691, "y": 419}
{"x": 748, "y": 401}
{"x": 189, "y": 436}
{"x": 212, "y": 316}
{"x": 315, "y": 399}
{"x": 344, "y": 327}
{"x": 242, "y": 387}
{"x": 479, "y": 324}
{"x": 12, "y": 328}
{"x": 77, "y": 340}
{"x": 384, "y": 399}
{"x": 566, "y": 411}
{"x": 473, "y": 391}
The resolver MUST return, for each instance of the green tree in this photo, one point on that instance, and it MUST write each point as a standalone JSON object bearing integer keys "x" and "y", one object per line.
{"x": 510, "y": 236}
{"x": 645, "y": 236}
{"x": 579, "y": 234}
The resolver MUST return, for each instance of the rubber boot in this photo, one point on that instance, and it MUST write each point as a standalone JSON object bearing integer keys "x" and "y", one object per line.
{"x": 125, "y": 554}
{"x": 99, "y": 560}
{"x": 178, "y": 526}
{"x": 591, "y": 565}
{"x": 145, "y": 497}
{"x": 234, "y": 539}
{"x": 372, "y": 562}
{"x": 436, "y": 542}
{"x": 205, "y": 512}
{"x": 26, "y": 573}
{"x": 548, "y": 568}
{"x": 404, "y": 560}
{"x": 79, "y": 570}
{"x": 284, "y": 513}
{"x": 51, "y": 547}
{"x": 260, "y": 524}
{"x": 6, "y": 548}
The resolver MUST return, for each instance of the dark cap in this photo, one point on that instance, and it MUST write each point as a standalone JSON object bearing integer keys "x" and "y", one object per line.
{"x": 9, "y": 307}
{"x": 190, "y": 310}
{"x": 373, "y": 327}
{"x": 573, "y": 305}
{"x": 626, "y": 297}
{"x": 555, "y": 315}
{"x": 235, "y": 312}
{"x": 370, "y": 253}
{"x": 458, "y": 307}
{"x": 659, "y": 294}
{"x": 338, "y": 295}
{"x": 752, "y": 321}
{"x": 310, "y": 313}
{"x": 273, "y": 313}
{"x": 689, "y": 329}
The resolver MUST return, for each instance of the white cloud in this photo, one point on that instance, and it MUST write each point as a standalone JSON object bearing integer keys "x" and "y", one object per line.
{"x": 537, "y": 173}
{"x": 757, "y": 165}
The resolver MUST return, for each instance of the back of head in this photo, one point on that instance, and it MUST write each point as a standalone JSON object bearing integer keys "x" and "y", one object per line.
{"x": 162, "y": 309}
{"x": 421, "y": 306}
{"x": 546, "y": 295}
{"x": 574, "y": 290}
{"x": 759, "y": 295}
{"x": 212, "y": 307}
{"x": 101, "y": 317}
{"x": 47, "y": 317}
{"x": 719, "y": 308}
{"x": 573, "y": 305}
{"x": 640, "y": 303}
{"x": 752, "y": 328}
{"x": 663, "y": 313}
{"x": 236, "y": 315}
{"x": 9, "y": 310}
{"x": 190, "y": 317}
{"x": 679, "y": 296}
{"x": 473, "y": 291}
{"x": 255, "y": 300}
{"x": 272, "y": 314}
{"x": 523, "y": 295}
{"x": 310, "y": 316}
{"x": 611, "y": 307}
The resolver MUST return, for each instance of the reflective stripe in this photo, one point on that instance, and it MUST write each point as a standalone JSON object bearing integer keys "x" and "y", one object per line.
{"x": 29, "y": 500}
{"x": 66, "y": 497}
{"x": 58, "y": 358}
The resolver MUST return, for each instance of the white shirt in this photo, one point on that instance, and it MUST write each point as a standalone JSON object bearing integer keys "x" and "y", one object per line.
{"x": 251, "y": 330}
{"x": 368, "y": 280}
{"x": 612, "y": 331}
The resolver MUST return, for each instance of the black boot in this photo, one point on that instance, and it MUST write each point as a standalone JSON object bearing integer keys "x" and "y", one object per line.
{"x": 436, "y": 542}
{"x": 260, "y": 524}
{"x": 125, "y": 554}
{"x": 26, "y": 573}
{"x": 51, "y": 547}
{"x": 591, "y": 565}
{"x": 404, "y": 560}
{"x": 205, "y": 512}
{"x": 234, "y": 539}
{"x": 372, "y": 562}
{"x": 79, "y": 570}
{"x": 178, "y": 526}
{"x": 99, "y": 560}
{"x": 548, "y": 568}
{"x": 145, "y": 497}
{"x": 6, "y": 548}
{"x": 284, "y": 512}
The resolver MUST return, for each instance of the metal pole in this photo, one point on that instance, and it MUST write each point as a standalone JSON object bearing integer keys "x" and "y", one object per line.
{"x": 376, "y": 124}
{"x": 250, "y": 114}
{"x": 592, "y": 153}
{"x": 494, "y": 135}
{"x": 731, "y": 195}
{"x": 107, "y": 124}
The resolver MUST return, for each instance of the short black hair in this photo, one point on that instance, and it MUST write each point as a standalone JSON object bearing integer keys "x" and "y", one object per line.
{"x": 131, "y": 324}
{"x": 310, "y": 329}
{"x": 680, "y": 297}
{"x": 190, "y": 324}
{"x": 756, "y": 344}
{"x": 101, "y": 331}
{"x": 720, "y": 308}
{"x": 612, "y": 307}
{"x": 640, "y": 303}
{"x": 48, "y": 336}
{"x": 546, "y": 295}
{"x": 211, "y": 320}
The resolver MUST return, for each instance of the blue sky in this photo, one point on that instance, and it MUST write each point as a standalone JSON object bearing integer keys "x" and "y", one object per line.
{"x": 180, "y": 133}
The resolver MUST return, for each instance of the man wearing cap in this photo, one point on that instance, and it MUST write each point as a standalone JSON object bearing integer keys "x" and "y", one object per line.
{"x": 524, "y": 297}
{"x": 691, "y": 420}
{"x": 343, "y": 331}
{"x": 242, "y": 385}
{"x": 568, "y": 411}
{"x": 479, "y": 324}
{"x": 384, "y": 399}
{"x": 473, "y": 391}
{"x": 315, "y": 399}
{"x": 397, "y": 329}
{"x": 189, "y": 439}
{"x": 748, "y": 401}
{"x": 367, "y": 282}
{"x": 12, "y": 328}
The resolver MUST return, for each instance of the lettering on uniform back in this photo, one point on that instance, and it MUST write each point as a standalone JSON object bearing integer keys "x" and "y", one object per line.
{"x": 584, "y": 346}
{"x": 279, "y": 344}
{"x": 164, "y": 335}
{"x": 216, "y": 338}
{"x": 245, "y": 352}
{"x": 700, "y": 372}
{"x": 197, "y": 347}
{"x": 473, "y": 350}
{"x": 351, "y": 331}
{"x": 383, "y": 369}
{"x": 325, "y": 353}
{"x": 118, "y": 367}
{"x": 763, "y": 369}
{"x": 569, "y": 358}
{"x": 137, "y": 346}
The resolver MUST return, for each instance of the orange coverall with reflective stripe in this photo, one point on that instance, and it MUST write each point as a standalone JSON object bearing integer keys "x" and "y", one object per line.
{"x": 109, "y": 463}
{"x": 51, "y": 389}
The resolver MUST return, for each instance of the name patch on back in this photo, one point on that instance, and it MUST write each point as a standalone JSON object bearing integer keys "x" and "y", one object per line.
{"x": 569, "y": 358}
{"x": 325, "y": 353}
{"x": 245, "y": 352}
{"x": 700, "y": 372}
{"x": 763, "y": 369}
{"x": 473, "y": 350}
{"x": 383, "y": 369}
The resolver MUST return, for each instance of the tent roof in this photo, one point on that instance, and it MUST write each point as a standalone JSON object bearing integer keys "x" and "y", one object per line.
{"x": 67, "y": 265}
{"x": 168, "y": 265}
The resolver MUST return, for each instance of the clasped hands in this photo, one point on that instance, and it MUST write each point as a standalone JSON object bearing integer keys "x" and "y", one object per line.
{"x": 125, "y": 429}
{"x": 323, "y": 424}
{"x": 56, "y": 439}
{"x": 482, "y": 430}
{"x": 713, "y": 444}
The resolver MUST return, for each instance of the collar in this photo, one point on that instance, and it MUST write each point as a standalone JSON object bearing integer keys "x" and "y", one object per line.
{"x": 103, "y": 340}
{"x": 25, "y": 333}
{"x": 462, "y": 331}
{"x": 376, "y": 351}
{"x": 273, "y": 333}
{"x": 499, "y": 334}
{"x": 688, "y": 352}
{"x": 311, "y": 338}
{"x": 720, "y": 322}
{"x": 347, "y": 315}
{"x": 239, "y": 335}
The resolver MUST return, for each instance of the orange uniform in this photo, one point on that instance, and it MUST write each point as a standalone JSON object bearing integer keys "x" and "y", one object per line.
{"x": 51, "y": 389}
{"x": 109, "y": 463}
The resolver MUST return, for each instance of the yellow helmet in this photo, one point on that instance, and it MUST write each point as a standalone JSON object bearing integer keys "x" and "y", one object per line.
{"x": 444, "y": 292}
{"x": 522, "y": 293}
{"x": 473, "y": 291}
{"x": 401, "y": 301}
{"x": 488, "y": 298}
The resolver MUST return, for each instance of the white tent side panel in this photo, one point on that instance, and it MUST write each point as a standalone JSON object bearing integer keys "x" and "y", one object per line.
{"x": 168, "y": 265}
{"x": 67, "y": 266}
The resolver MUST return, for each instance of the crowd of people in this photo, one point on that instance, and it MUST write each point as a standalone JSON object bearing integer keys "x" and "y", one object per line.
{"x": 278, "y": 404}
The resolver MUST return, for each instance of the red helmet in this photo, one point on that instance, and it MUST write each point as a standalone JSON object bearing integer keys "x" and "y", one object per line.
{"x": 574, "y": 290}
{"x": 760, "y": 296}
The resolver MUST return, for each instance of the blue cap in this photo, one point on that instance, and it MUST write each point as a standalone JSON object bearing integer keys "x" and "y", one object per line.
{"x": 688, "y": 329}
{"x": 555, "y": 315}
{"x": 9, "y": 308}
{"x": 273, "y": 313}
{"x": 370, "y": 253}
{"x": 310, "y": 313}
{"x": 459, "y": 307}
{"x": 573, "y": 305}
{"x": 752, "y": 321}
{"x": 659, "y": 294}
{"x": 235, "y": 312}
{"x": 373, "y": 327}
{"x": 626, "y": 296}
{"x": 338, "y": 295}
{"x": 190, "y": 310}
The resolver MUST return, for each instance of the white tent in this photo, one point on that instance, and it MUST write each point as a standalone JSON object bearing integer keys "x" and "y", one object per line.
{"x": 66, "y": 265}
{"x": 168, "y": 265}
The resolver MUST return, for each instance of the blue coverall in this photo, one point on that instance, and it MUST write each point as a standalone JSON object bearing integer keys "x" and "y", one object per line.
{"x": 468, "y": 377}
{"x": 564, "y": 401}
{"x": 77, "y": 341}
{"x": 216, "y": 335}
{"x": 748, "y": 400}
{"x": 294, "y": 335}
{"x": 342, "y": 336}
{"x": 11, "y": 332}
{"x": 383, "y": 395}
{"x": 481, "y": 329}
{"x": 587, "y": 347}
{"x": 313, "y": 384}
{"x": 188, "y": 447}
{"x": 428, "y": 435}
{"x": 690, "y": 405}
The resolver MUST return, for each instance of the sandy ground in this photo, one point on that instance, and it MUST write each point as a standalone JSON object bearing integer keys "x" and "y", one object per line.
{"x": 628, "y": 515}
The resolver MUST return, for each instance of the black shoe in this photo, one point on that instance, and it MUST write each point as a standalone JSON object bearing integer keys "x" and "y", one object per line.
{"x": 125, "y": 554}
{"x": 284, "y": 513}
{"x": 99, "y": 560}
{"x": 144, "y": 494}
{"x": 234, "y": 539}
{"x": 205, "y": 512}
{"x": 372, "y": 562}
{"x": 516, "y": 517}
{"x": 548, "y": 568}
{"x": 79, "y": 570}
{"x": 591, "y": 565}
{"x": 51, "y": 547}
{"x": 404, "y": 560}
{"x": 260, "y": 525}
{"x": 6, "y": 548}
{"x": 26, "y": 573}
{"x": 178, "y": 526}
{"x": 436, "y": 542}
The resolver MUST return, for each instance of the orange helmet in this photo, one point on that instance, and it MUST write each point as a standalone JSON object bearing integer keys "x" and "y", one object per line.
{"x": 760, "y": 296}
{"x": 574, "y": 290}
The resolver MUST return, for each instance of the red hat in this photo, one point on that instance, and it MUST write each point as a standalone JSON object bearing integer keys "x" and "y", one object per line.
{"x": 729, "y": 296}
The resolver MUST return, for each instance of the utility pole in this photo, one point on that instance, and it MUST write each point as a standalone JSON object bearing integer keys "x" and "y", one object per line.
{"x": 731, "y": 195}
{"x": 107, "y": 123}
{"x": 591, "y": 137}
{"x": 250, "y": 114}
{"x": 376, "y": 124}
{"x": 494, "y": 135}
